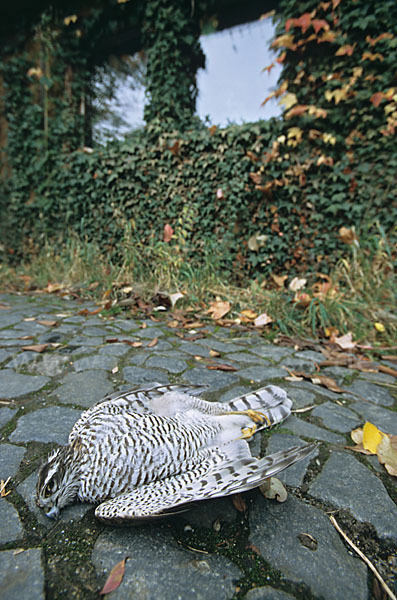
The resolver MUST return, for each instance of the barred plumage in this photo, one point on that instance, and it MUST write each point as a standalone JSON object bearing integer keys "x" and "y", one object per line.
{"x": 146, "y": 453}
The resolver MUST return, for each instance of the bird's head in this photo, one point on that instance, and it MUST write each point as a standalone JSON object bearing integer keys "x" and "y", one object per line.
{"x": 59, "y": 481}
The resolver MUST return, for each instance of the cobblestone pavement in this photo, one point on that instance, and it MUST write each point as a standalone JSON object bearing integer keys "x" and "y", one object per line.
{"x": 272, "y": 550}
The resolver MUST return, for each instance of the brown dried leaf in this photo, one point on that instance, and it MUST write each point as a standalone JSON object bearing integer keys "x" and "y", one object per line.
{"x": 221, "y": 367}
{"x": 115, "y": 578}
{"x": 193, "y": 325}
{"x": 219, "y": 309}
{"x": 36, "y": 347}
{"x": 54, "y": 287}
{"x": 239, "y": 503}
{"x": 214, "y": 353}
{"x": 173, "y": 324}
{"x": 359, "y": 448}
{"x": 48, "y": 323}
{"x": 153, "y": 343}
{"x": 327, "y": 382}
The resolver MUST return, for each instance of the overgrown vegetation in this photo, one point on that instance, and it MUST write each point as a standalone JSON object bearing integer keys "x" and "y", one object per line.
{"x": 358, "y": 296}
{"x": 244, "y": 203}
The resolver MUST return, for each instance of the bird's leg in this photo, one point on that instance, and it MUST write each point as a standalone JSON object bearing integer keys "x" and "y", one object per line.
{"x": 256, "y": 416}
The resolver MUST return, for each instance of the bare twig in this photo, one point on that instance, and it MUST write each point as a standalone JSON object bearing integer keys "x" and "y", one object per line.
{"x": 364, "y": 558}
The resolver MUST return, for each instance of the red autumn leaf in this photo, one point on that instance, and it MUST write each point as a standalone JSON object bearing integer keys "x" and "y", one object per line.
{"x": 320, "y": 24}
{"x": 115, "y": 578}
{"x": 377, "y": 98}
{"x": 168, "y": 233}
{"x": 303, "y": 22}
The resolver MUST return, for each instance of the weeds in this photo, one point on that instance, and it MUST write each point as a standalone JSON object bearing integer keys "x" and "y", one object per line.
{"x": 358, "y": 296}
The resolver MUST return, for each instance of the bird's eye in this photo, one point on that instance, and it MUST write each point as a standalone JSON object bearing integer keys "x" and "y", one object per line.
{"x": 49, "y": 488}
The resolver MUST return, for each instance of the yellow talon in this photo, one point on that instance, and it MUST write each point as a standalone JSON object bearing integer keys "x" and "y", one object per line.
{"x": 256, "y": 415}
{"x": 247, "y": 432}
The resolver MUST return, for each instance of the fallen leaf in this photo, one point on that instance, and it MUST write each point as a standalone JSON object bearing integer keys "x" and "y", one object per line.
{"x": 143, "y": 325}
{"x": 357, "y": 435}
{"x": 323, "y": 380}
{"x": 371, "y": 440}
{"x": 279, "y": 280}
{"x": 308, "y": 541}
{"x": 387, "y": 453}
{"x": 249, "y": 314}
{"x": 115, "y": 369}
{"x": 36, "y": 347}
{"x": 262, "y": 320}
{"x": 380, "y": 327}
{"x": 115, "y": 578}
{"x": 193, "y": 325}
{"x": 327, "y": 382}
{"x": 274, "y": 489}
{"x": 173, "y": 324}
{"x": 219, "y": 309}
{"x": 133, "y": 344}
{"x": 26, "y": 337}
{"x": 239, "y": 503}
{"x": 345, "y": 341}
{"x": 18, "y": 551}
{"x": 153, "y": 343}
{"x": 372, "y": 436}
{"x": 30, "y": 319}
{"x": 297, "y": 284}
{"x": 214, "y": 353}
{"x": 221, "y": 367}
{"x": 54, "y": 287}
{"x": 48, "y": 323}
{"x": 175, "y": 297}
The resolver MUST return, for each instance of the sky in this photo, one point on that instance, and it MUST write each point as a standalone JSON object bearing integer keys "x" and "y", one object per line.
{"x": 233, "y": 85}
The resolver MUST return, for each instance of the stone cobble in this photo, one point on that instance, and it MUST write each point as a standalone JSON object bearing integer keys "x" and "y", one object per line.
{"x": 221, "y": 548}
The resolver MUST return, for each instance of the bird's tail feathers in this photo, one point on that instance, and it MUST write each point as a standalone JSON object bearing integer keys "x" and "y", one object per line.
{"x": 270, "y": 400}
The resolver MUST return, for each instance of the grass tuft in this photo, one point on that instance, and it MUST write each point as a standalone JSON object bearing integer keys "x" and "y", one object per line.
{"x": 359, "y": 293}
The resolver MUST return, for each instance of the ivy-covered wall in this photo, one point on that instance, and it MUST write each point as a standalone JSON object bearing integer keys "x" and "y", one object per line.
{"x": 265, "y": 197}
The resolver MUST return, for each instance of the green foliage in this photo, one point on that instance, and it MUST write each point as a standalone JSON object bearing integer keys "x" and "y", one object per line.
{"x": 171, "y": 38}
{"x": 263, "y": 197}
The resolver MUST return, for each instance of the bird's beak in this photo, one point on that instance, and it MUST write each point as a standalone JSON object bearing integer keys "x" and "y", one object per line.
{"x": 53, "y": 513}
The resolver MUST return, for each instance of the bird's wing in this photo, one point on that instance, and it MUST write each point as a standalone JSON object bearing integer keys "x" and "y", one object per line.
{"x": 142, "y": 401}
{"x": 209, "y": 479}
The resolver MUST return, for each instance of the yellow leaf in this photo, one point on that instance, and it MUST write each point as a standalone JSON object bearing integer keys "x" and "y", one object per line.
{"x": 288, "y": 100}
{"x": 380, "y": 327}
{"x": 250, "y": 314}
{"x": 372, "y": 436}
{"x": 70, "y": 19}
